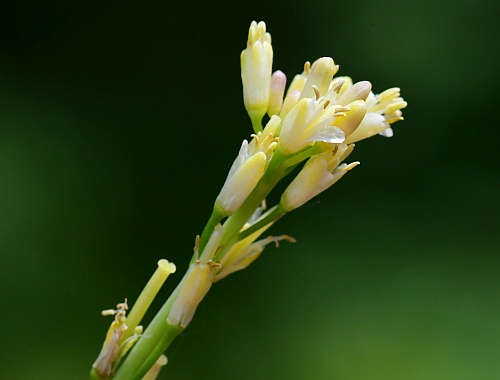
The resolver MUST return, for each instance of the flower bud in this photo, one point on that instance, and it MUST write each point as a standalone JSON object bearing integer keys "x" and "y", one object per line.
{"x": 241, "y": 180}
{"x": 358, "y": 91}
{"x": 278, "y": 84}
{"x": 322, "y": 72}
{"x": 319, "y": 173}
{"x": 256, "y": 69}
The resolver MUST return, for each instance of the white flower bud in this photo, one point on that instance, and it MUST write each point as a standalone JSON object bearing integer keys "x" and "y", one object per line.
{"x": 322, "y": 72}
{"x": 244, "y": 175}
{"x": 256, "y": 69}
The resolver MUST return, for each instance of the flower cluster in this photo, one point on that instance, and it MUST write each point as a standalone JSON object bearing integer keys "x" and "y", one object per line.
{"x": 310, "y": 131}
{"x": 305, "y": 132}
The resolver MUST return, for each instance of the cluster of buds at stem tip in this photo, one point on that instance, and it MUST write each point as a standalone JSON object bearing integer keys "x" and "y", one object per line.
{"x": 312, "y": 126}
{"x": 318, "y": 110}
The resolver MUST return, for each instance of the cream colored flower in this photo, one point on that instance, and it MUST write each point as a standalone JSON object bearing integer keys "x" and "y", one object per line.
{"x": 382, "y": 110}
{"x": 310, "y": 121}
{"x": 319, "y": 77}
{"x": 248, "y": 167}
{"x": 245, "y": 173}
{"x": 256, "y": 69}
{"x": 319, "y": 173}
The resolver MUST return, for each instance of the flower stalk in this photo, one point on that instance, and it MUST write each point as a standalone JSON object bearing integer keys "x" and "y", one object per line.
{"x": 311, "y": 130}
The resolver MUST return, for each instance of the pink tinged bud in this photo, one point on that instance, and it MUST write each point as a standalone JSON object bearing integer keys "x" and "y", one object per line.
{"x": 358, "y": 91}
{"x": 278, "y": 84}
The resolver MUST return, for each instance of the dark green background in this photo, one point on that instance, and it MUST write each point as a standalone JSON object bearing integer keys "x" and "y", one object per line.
{"x": 118, "y": 123}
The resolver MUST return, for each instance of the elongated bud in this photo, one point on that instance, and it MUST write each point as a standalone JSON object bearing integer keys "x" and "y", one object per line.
{"x": 241, "y": 182}
{"x": 319, "y": 173}
{"x": 322, "y": 72}
{"x": 256, "y": 69}
{"x": 278, "y": 84}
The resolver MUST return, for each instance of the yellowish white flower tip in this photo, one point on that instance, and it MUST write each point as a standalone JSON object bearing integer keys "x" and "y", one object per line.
{"x": 382, "y": 110}
{"x": 320, "y": 76}
{"x": 245, "y": 173}
{"x": 256, "y": 70}
{"x": 195, "y": 285}
{"x": 319, "y": 173}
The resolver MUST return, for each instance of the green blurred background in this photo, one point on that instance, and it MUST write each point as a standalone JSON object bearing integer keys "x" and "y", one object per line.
{"x": 118, "y": 123}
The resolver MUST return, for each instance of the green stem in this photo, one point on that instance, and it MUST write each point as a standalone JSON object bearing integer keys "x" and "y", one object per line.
{"x": 94, "y": 375}
{"x": 256, "y": 124}
{"x": 215, "y": 218}
{"x": 277, "y": 213}
{"x": 147, "y": 296}
{"x": 155, "y": 340}
{"x": 303, "y": 155}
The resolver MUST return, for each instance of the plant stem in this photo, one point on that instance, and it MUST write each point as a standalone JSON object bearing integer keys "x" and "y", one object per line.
{"x": 155, "y": 340}
{"x": 215, "y": 218}
{"x": 147, "y": 296}
{"x": 277, "y": 213}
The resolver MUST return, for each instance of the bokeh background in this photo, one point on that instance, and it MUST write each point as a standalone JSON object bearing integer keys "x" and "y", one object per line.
{"x": 118, "y": 123}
